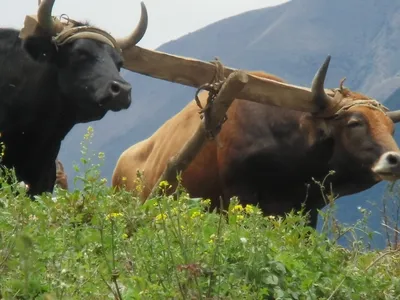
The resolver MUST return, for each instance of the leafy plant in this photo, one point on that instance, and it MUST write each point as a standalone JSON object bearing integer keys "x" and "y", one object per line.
{"x": 96, "y": 243}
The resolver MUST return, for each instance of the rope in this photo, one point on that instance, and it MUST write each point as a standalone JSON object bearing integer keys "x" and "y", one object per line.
{"x": 366, "y": 103}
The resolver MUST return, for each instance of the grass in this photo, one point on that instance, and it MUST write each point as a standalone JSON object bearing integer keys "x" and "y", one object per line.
{"x": 98, "y": 244}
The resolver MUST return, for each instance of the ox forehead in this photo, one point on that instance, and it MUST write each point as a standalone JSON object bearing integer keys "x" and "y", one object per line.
{"x": 369, "y": 137}
{"x": 365, "y": 132}
{"x": 55, "y": 75}
{"x": 380, "y": 133}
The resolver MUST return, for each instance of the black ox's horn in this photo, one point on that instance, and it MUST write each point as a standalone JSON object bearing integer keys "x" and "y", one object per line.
{"x": 44, "y": 16}
{"x": 46, "y": 22}
{"x": 138, "y": 33}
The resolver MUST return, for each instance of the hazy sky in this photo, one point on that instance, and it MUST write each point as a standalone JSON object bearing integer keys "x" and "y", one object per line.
{"x": 168, "y": 19}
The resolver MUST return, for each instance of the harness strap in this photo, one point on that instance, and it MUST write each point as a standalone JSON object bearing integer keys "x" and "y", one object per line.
{"x": 88, "y": 32}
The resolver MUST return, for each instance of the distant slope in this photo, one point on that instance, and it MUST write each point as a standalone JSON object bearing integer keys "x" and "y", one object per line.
{"x": 290, "y": 40}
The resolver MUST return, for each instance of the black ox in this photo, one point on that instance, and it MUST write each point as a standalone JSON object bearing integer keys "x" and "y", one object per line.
{"x": 62, "y": 75}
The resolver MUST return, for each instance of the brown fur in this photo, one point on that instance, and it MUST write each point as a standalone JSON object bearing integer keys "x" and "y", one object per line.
{"x": 151, "y": 155}
{"x": 379, "y": 127}
{"x": 354, "y": 95}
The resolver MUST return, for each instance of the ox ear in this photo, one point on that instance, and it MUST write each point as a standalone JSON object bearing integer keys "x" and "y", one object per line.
{"x": 323, "y": 129}
{"x": 40, "y": 48}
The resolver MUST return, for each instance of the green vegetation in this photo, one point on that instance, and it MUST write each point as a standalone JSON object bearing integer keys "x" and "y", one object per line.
{"x": 97, "y": 244}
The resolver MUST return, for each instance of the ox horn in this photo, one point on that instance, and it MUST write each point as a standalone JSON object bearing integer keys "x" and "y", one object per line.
{"x": 394, "y": 115}
{"x": 320, "y": 98}
{"x": 138, "y": 33}
{"x": 45, "y": 19}
{"x": 59, "y": 166}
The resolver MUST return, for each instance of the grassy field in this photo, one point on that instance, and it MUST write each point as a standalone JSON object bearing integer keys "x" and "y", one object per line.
{"x": 96, "y": 244}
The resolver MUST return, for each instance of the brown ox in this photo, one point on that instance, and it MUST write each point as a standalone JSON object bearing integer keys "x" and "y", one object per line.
{"x": 61, "y": 176}
{"x": 270, "y": 155}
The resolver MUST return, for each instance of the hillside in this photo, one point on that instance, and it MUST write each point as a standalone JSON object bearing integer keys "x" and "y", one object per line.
{"x": 290, "y": 40}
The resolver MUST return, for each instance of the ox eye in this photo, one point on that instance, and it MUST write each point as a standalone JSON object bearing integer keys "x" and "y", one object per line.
{"x": 353, "y": 122}
{"x": 83, "y": 55}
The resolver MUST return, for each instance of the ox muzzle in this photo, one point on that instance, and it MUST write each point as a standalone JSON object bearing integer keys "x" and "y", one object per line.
{"x": 388, "y": 166}
{"x": 118, "y": 96}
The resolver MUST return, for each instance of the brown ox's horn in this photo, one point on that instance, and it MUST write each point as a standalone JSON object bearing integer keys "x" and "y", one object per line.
{"x": 394, "y": 115}
{"x": 138, "y": 33}
{"x": 45, "y": 19}
{"x": 321, "y": 99}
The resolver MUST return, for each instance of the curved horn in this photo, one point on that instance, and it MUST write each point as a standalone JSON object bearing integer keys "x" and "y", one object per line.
{"x": 320, "y": 98}
{"x": 44, "y": 16}
{"x": 138, "y": 33}
{"x": 59, "y": 166}
{"x": 394, "y": 115}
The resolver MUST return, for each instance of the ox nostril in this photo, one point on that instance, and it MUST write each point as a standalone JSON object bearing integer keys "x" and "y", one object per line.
{"x": 388, "y": 166}
{"x": 115, "y": 88}
{"x": 392, "y": 159}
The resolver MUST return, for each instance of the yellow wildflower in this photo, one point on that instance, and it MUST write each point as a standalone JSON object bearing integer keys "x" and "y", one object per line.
{"x": 237, "y": 208}
{"x": 114, "y": 215}
{"x": 138, "y": 188}
{"x": 206, "y": 202}
{"x": 239, "y": 218}
{"x": 212, "y": 238}
{"x": 164, "y": 184}
{"x": 249, "y": 208}
{"x": 124, "y": 236}
{"x": 196, "y": 214}
{"x": 160, "y": 217}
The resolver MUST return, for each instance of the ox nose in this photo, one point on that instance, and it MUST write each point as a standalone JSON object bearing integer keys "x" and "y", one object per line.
{"x": 121, "y": 94}
{"x": 388, "y": 166}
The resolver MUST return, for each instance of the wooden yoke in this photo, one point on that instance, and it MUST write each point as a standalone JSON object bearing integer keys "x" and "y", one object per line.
{"x": 195, "y": 73}
{"x": 213, "y": 115}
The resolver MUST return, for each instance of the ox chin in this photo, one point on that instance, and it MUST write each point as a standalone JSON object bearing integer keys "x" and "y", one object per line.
{"x": 381, "y": 176}
{"x": 115, "y": 109}
{"x": 113, "y": 105}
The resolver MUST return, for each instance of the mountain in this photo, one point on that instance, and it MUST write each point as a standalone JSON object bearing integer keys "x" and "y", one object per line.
{"x": 290, "y": 40}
